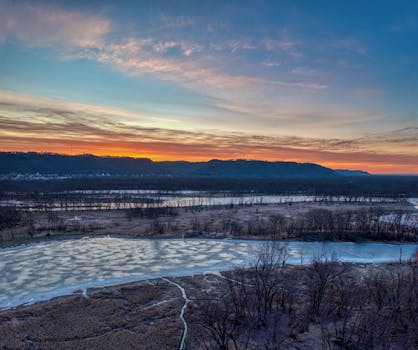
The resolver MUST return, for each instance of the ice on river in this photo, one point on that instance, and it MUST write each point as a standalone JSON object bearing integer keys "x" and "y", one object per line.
{"x": 43, "y": 270}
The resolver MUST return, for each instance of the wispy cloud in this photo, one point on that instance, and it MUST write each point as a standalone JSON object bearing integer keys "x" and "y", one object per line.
{"x": 271, "y": 64}
{"x": 184, "y": 47}
{"x": 87, "y": 35}
{"x": 176, "y": 22}
{"x": 349, "y": 44}
{"x": 224, "y": 112}
{"x": 46, "y": 108}
{"x": 189, "y": 63}
{"x": 88, "y": 132}
{"x": 133, "y": 58}
{"x": 39, "y": 25}
{"x": 291, "y": 47}
{"x": 262, "y": 81}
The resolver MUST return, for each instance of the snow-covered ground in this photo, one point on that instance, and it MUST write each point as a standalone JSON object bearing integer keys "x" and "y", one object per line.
{"x": 409, "y": 219}
{"x": 43, "y": 270}
{"x": 414, "y": 202}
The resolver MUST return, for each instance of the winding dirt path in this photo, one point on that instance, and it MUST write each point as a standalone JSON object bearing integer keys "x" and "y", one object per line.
{"x": 186, "y": 302}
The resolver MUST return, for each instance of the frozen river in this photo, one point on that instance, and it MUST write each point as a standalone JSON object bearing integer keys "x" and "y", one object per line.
{"x": 43, "y": 270}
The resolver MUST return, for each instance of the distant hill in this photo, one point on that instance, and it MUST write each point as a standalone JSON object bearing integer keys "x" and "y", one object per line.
{"x": 352, "y": 172}
{"x": 47, "y": 164}
{"x": 246, "y": 168}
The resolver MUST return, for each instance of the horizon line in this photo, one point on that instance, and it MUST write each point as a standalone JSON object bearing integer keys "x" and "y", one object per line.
{"x": 201, "y": 161}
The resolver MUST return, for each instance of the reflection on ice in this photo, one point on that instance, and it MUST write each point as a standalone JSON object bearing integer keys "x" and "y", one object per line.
{"x": 42, "y": 270}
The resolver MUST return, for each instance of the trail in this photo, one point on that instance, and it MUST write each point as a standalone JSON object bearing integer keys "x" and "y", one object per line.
{"x": 186, "y": 302}
{"x": 84, "y": 293}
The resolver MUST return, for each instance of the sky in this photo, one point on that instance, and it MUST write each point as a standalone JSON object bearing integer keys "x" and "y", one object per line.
{"x": 327, "y": 82}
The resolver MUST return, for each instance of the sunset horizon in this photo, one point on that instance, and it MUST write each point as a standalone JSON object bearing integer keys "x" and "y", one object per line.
{"x": 386, "y": 169}
{"x": 208, "y": 174}
{"x": 276, "y": 81}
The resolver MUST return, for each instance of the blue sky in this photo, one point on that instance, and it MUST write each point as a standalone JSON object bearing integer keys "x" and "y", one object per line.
{"x": 333, "y": 82}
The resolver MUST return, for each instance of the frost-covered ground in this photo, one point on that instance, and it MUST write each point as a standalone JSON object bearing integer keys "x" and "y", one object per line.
{"x": 414, "y": 202}
{"x": 113, "y": 199}
{"x": 44, "y": 270}
{"x": 410, "y": 219}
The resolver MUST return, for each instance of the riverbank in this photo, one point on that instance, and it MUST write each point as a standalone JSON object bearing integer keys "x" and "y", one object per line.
{"x": 146, "y": 314}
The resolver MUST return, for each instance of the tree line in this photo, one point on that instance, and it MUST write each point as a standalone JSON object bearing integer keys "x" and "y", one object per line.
{"x": 387, "y": 186}
{"x": 314, "y": 225}
{"x": 271, "y": 306}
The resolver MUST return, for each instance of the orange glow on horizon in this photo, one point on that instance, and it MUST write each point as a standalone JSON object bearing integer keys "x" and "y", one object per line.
{"x": 337, "y": 161}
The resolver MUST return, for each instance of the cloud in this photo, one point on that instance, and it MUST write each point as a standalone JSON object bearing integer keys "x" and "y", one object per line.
{"x": 235, "y": 45}
{"x": 271, "y": 64}
{"x": 349, "y": 44}
{"x": 163, "y": 54}
{"x": 304, "y": 85}
{"x": 133, "y": 57}
{"x": 275, "y": 100}
{"x": 221, "y": 114}
{"x": 287, "y": 46}
{"x": 33, "y": 127}
{"x": 13, "y": 103}
{"x": 39, "y": 25}
{"x": 290, "y": 47}
{"x": 186, "y": 48}
{"x": 176, "y": 22}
